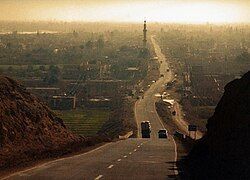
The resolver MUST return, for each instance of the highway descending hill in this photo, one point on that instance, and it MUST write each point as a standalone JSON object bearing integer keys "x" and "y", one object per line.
{"x": 133, "y": 158}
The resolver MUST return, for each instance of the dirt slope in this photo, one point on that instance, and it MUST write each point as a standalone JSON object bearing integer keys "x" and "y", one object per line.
{"x": 28, "y": 129}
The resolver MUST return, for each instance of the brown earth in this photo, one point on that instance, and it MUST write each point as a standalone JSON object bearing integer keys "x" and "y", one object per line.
{"x": 30, "y": 131}
{"x": 121, "y": 120}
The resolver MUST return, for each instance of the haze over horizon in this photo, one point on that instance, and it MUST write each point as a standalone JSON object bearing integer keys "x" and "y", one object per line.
{"x": 178, "y": 11}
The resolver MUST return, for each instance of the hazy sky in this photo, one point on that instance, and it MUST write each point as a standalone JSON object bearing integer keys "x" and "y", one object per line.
{"x": 188, "y": 11}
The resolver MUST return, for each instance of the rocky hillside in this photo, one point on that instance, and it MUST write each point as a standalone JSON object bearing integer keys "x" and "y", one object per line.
{"x": 28, "y": 129}
{"x": 224, "y": 152}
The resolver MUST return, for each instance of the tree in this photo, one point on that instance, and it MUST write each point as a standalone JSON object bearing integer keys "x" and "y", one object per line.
{"x": 30, "y": 68}
{"x": 100, "y": 44}
{"x": 243, "y": 57}
{"x": 10, "y": 68}
{"x": 53, "y": 75}
{"x": 89, "y": 45}
{"x": 144, "y": 53}
{"x": 42, "y": 68}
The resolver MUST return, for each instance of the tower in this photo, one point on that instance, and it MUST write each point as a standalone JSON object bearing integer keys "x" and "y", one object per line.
{"x": 145, "y": 35}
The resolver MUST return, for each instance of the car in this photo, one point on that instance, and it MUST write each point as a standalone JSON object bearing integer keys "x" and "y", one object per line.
{"x": 179, "y": 135}
{"x": 163, "y": 133}
{"x": 145, "y": 129}
{"x": 162, "y": 75}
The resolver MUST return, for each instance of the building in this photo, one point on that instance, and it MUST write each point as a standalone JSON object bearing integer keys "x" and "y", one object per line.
{"x": 63, "y": 102}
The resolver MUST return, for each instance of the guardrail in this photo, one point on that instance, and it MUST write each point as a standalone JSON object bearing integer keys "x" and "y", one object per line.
{"x": 126, "y": 136}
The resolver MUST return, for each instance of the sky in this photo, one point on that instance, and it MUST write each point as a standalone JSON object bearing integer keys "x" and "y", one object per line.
{"x": 174, "y": 11}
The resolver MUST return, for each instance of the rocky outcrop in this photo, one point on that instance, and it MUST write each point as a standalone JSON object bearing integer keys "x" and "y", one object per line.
{"x": 224, "y": 152}
{"x": 29, "y": 130}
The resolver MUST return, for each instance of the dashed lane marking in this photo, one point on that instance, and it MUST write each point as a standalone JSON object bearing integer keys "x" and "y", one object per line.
{"x": 54, "y": 161}
{"x": 110, "y": 166}
{"x": 99, "y": 177}
{"x": 176, "y": 156}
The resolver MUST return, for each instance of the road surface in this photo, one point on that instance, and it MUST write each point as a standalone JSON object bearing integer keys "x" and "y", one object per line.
{"x": 135, "y": 158}
{"x": 182, "y": 124}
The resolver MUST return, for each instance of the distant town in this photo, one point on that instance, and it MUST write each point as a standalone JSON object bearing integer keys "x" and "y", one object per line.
{"x": 151, "y": 89}
{"x": 98, "y": 67}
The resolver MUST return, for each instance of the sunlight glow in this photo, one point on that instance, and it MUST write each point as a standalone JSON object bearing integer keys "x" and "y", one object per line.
{"x": 153, "y": 10}
{"x": 160, "y": 12}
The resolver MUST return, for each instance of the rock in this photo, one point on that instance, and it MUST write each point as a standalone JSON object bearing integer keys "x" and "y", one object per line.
{"x": 224, "y": 152}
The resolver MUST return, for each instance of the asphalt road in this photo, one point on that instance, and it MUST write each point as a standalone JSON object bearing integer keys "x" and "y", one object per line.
{"x": 135, "y": 158}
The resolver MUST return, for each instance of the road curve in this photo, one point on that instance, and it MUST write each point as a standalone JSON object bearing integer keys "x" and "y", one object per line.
{"x": 134, "y": 158}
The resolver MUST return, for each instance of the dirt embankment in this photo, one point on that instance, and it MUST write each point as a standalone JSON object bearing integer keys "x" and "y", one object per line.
{"x": 29, "y": 130}
{"x": 223, "y": 153}
{"x": 184, "y": 145}
{"x": 121, "y": 120}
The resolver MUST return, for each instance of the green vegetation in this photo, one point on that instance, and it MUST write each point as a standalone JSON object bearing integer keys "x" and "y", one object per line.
{"x": 85, "y": 122}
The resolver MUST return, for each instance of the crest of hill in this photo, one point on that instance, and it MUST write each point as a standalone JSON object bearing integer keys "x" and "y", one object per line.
{"x": 29, "y": 130}
{"x": 225, "y": 150}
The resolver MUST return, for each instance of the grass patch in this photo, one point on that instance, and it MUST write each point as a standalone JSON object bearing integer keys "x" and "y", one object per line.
{"x": 85, "y": 122}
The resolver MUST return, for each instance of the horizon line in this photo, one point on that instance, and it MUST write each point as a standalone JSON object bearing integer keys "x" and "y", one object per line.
{"x": 127, "y": 22}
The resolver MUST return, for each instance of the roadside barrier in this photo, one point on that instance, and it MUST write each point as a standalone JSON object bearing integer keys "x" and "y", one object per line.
{"x": 126, "y": 136}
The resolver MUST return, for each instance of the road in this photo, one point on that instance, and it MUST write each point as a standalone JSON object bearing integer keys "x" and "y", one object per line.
{"x": 182, "y": 124}
{"x": 134, "y": 158}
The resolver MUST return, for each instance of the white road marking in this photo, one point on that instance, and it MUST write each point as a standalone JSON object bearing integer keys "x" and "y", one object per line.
{"x": 99, "y": 177}
{"x": 119, "y": 160}
{"x": 54, "y": 161}
{"x": 110, "y": 166}
{"x": 124, "y": 156}
{"x": 176, "y": 155}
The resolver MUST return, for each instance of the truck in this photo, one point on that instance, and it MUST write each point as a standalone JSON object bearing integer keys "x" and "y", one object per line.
{"x": 145, "y": 129}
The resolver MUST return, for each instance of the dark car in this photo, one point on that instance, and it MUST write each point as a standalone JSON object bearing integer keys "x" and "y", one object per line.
{"x": 163, "y": 133}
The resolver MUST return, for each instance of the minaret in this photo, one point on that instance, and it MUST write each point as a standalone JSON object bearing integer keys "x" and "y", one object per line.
{"x": 145, "y": 35}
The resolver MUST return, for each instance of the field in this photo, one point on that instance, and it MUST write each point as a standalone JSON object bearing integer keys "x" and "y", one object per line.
{"x": 85, "y": 122}
{"x": 25, "y": 66}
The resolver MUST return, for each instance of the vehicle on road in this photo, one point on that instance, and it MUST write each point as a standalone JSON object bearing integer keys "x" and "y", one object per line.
{"x": 179, "y": 135}
{"x": 174, "y": 113}
{"x": 145, "y": 129}
{"x": 163, "y": 133}
{"x": 162, "y": 75}
{"x": 167, "y": 69}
